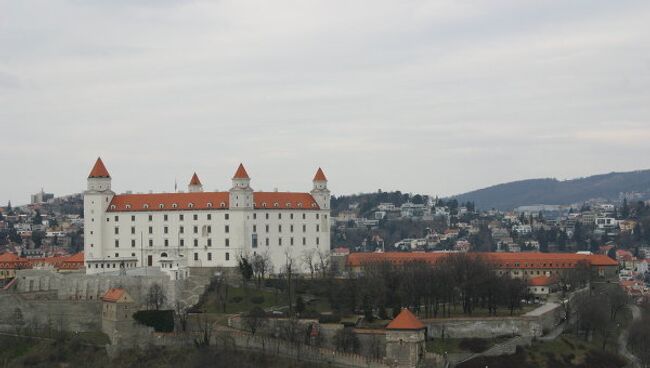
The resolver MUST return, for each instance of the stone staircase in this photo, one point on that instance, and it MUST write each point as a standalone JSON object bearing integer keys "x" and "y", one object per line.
{"x": 193, "y": 287}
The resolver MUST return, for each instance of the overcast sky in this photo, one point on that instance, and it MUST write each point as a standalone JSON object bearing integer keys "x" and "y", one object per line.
{"x": 438, "y": 97}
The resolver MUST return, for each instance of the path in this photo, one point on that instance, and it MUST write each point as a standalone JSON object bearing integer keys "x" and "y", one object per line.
{"x": 622, "y": 339}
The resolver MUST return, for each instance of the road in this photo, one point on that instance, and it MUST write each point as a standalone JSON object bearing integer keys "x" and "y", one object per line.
{"x": 622, "y": 339}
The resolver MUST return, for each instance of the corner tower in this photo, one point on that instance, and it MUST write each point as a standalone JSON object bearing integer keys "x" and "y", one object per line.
{"x": 241, "y": 193}
{"x": 97, "y": 198}
{"x": 320, "y": 192}
{"x": 195, "y": 184}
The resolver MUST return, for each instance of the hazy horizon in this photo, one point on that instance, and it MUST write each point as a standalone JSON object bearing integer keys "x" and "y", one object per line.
{"x": 426, "y": 97}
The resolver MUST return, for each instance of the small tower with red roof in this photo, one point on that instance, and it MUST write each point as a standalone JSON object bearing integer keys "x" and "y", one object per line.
{"x": 405, "y": 340}
{"x": 97, "y": 199}
{"x": 195, "y": 184}
{"x": 320, "y": 192}
{"x": 241, "y": 193}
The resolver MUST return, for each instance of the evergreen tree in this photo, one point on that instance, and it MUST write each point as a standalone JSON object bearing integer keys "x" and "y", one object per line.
{"x": 625, "y": 209}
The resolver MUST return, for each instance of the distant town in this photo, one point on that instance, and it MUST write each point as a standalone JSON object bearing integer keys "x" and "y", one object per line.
{"x": 385, "y": 279}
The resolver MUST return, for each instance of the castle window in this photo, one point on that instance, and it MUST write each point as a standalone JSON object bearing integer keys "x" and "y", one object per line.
{"x": 267, "y": 228}
{"x": 190, "y": 205}
{"x": 132, "y": 217}
{"x": 196, "y": 256}
{"x": 209, "y": 242}
{"x": 117, "y": 230}
{"x": 300, "y": 205}
{"x": 181, "y": 230}
{"x": 145, "y": 206}
{"x": 209, "y": 256}
{"x": 209, "y": 205}
{"x": 150, "y": 218}
{"x": 280, "y": 241}
{"x": 288, "y": 204}
{"x": 266, "y": 242}
{"x": 313, "y": 205}
{"x": 174, "y": 205}
{"x": 304, "y": 216}
{"x": 181, "y": 217}
{"x": 227, "y": 216}
{"x": 254, "y": 228}
{"x": 128, "y": 206}
{"x": 291, "y": 241}
{"x": 209, "y": 217}
{"x": 196, "y": 242}
{"x": 151, "y": 242}
{"x": 227, "y": 242}
{"x": 227, "y": 229}
{"x": 161, "y": 206}
{"x": 291, "y": 228}
{"x": 150, "y": 229}
{"x": 291, "y": 216}
{"x": 112, "y": 206}
{"x": 166, "y": 229}
{"x": 267, "y": 215}
{"x": 117, "y": 243}
{"x": 182, "y": 242}
{"x": 317, "y": 216}
{"x": 196, "y": 229}
{"x": 317, "y": 240}
{"x": 227, "y": 256}
{"x": 166, "y": 242}
{"x": 222, "y": 204}
{"x": 279, "y": 228}
{"x": 195, "y": 217}
{"x": 276, "y": 204}
{"x": 304, "y": 241}
{"x": 264, "y": 204}
{"x": 132, "y": 243}
{"x": 165, "y": 218}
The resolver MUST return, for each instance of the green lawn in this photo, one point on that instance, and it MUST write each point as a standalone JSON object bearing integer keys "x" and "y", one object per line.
{"x": 242, "y": 300}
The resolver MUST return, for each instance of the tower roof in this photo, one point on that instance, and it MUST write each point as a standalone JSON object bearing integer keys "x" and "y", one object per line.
{"x": 241, "y": 173}
{"x": 195, "y": 180}
{"x": 320, "y": 176}
{"x": 99, "y": 170}
{"x": 405, "y": 320}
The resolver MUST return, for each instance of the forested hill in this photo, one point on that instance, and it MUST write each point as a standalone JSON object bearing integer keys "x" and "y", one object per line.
{"x": 364, "y": 203}
{"x": 552, "y": 191}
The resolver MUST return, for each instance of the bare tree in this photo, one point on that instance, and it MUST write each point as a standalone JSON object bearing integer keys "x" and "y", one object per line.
{"x": 261, "y": 267}
{"x": 155, "y": 297}
{"x": 288, "y": 273}
{"x": 204, "y": 331}
{"x": 324, "y": 263}
{"x": 220, "y": 286}
{"x": 254, "y": 319}
{"x": 182, "y": 314}
{"x": 309, "y": 260}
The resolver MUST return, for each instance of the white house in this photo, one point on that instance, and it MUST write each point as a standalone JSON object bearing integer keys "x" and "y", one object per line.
{"x": 207, "y": 229}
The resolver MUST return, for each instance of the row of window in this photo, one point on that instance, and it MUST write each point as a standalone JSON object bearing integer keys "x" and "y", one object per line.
{"x": 195, "y": 217}
{"x": 208, "y": 229}
{"x": 181, "y": 243}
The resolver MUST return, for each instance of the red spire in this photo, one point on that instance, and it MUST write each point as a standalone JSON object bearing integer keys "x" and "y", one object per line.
{"x": 195, "y": 180}
{"x": 99, "y": 170}
{"x": 320, "y": 176}
{"x": 241, "y": 173}
{"x": 405, "y": 320}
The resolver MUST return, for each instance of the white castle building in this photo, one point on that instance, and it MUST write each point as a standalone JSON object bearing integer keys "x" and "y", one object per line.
{"x": 201, "y": 229}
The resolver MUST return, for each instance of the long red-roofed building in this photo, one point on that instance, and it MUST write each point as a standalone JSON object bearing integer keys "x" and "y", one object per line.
{"x": 523, "y": 264}
{"x": 10, "y": 263}
{"x": 203, "y": 229}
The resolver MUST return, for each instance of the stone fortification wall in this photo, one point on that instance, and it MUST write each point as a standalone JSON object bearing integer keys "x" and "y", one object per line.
{"x": 54, "y": 314}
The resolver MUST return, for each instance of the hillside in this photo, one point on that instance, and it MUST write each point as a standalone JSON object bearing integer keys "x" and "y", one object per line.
{"x": 552, "y": 191}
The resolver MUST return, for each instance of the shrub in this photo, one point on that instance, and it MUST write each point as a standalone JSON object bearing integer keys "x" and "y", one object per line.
{"x": 329, "y": 318}
{"x": 160, "y": 320}
{"x": 258, "y": 299}
{"x": 236, "y": 299}
{"x": 475, "y": 345}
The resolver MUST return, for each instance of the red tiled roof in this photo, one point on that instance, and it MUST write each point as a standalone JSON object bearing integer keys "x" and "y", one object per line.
{"x": 12, "y": 261}
{"x": 501, "y": 260}
{"x": 207, "y": 200}
{"x": 99, "y": 170}
{"x": 241, "y": 173}
{"x": 286, "y": 200}
{"x": 195, "y": 180}
{"x": 320, "y": 176}
{"x": 113, "y": 295}
{"x": 541, "y": 281}
{"x": 405, "y": 320}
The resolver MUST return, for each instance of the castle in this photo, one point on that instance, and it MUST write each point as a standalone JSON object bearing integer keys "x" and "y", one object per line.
{"x": 171, "y": 231}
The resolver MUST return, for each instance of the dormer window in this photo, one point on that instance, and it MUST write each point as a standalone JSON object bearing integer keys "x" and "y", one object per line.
{"x": 264, "y": 204}
{"x": 313, "y": 205}
{"x": 288, "y": 204}
{"x": 276, "y": 204}
{"x": 145, "y": 206}
{"x": 112, "y": 206}
{"x": 209, "y": 205}
{"x": 190, "y": 205}
{"x": 174, "y": 205}
{"x": 161, "y": 206}
{"x": 300, "y": 205}
{"x": 128, "y": 206}
{"x": 223, "y": 204}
